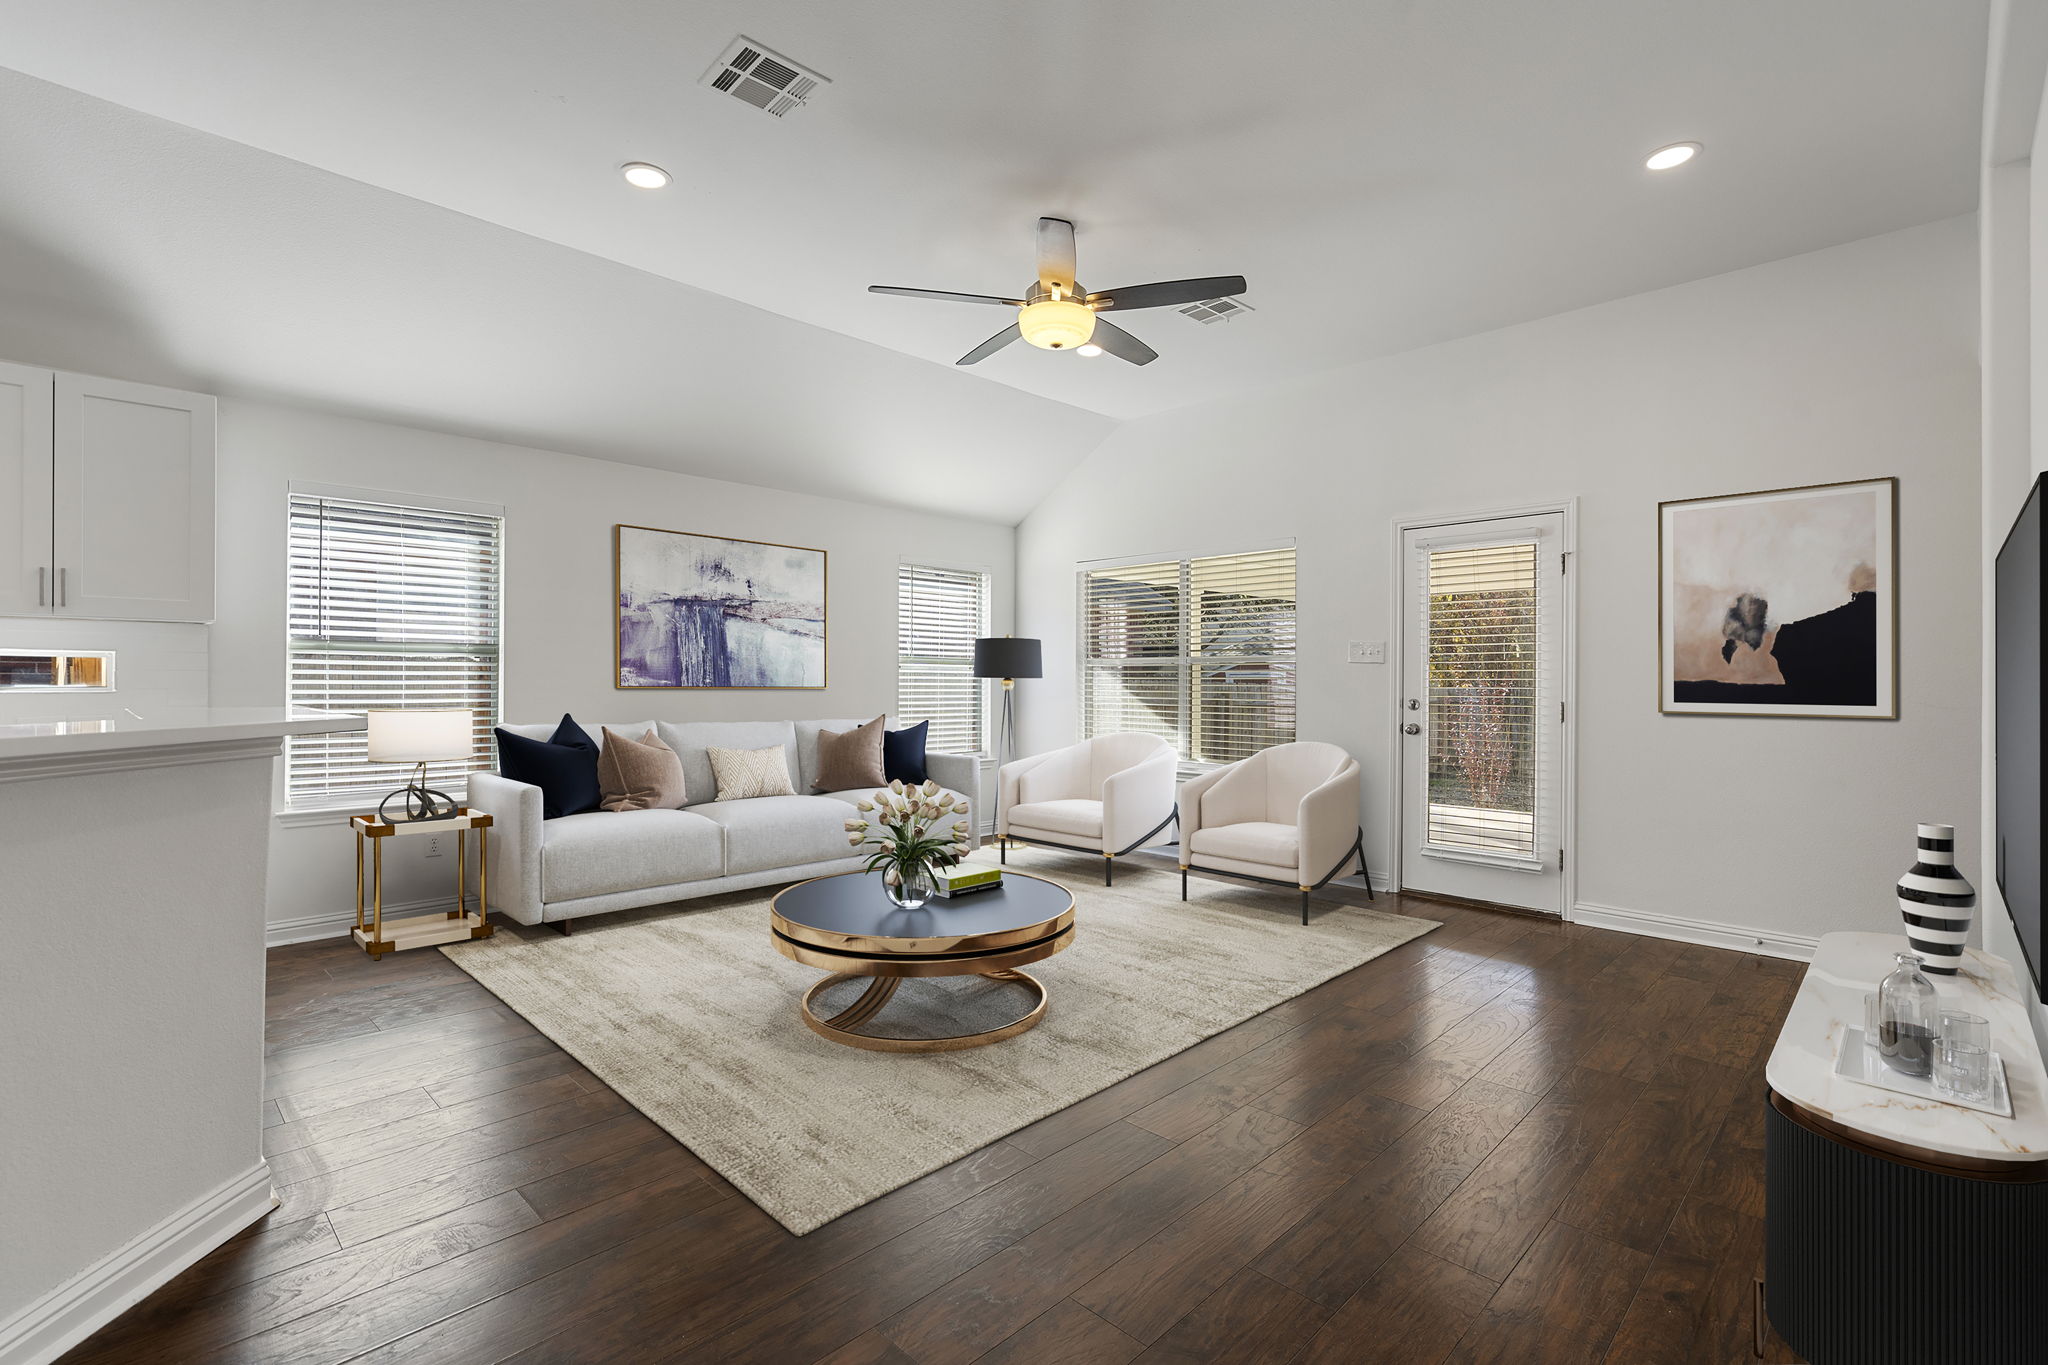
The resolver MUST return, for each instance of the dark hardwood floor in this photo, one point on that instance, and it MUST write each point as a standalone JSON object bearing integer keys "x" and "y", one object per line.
{"x": 1510, "y": 1140}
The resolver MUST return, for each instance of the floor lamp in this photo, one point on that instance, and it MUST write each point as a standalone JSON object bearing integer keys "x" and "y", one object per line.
{"x": 1007, "y": 658}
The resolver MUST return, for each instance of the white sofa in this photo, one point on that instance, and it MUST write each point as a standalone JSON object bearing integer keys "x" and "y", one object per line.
{"x": 554, "y": 871}
{"x": 1112, "y": 795}
{"x": 1287, "y": 816}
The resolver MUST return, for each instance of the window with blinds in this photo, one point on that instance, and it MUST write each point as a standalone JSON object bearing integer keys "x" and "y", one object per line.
{"x": 1197, "y": 651}
{"x": 939, "y": 615}
{"x": 1481, "y": 628}
{"x": 390, "y": 606}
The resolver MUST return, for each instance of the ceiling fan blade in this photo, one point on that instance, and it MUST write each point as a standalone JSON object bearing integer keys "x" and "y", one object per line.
{"x": 1122, "y": 344}
{"x": 992, "y": 345}
{"x": 1055, "y": 254}
{"x": 1168, "y": 293}
{"x": 942, "y": 294}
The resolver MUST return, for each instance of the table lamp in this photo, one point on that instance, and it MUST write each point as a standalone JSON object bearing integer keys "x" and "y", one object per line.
{"x": 1008, "y": 658}
{"x": 419, "y": 738}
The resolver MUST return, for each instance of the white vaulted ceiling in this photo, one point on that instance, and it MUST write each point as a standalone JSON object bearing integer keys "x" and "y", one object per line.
{"x": 1387, "y": 174}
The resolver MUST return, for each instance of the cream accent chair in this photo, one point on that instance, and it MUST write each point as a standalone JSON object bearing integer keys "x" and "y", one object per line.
{"x": 1287, "y": 816}
{"x": 1112, "y": 795}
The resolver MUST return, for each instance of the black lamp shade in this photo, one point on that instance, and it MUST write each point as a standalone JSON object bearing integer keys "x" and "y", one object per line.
{"x": 1007, "y": 657}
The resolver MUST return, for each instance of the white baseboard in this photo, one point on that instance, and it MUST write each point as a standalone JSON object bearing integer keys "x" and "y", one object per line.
{"x": 1742, "y": 938}
{"x": 337, "y": 923}
{"x": 94, "y": 1297}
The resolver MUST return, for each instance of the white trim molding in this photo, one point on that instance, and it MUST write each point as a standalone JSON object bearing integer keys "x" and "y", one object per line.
{"x": 94, "y": 1297}
{"x": 1742, "y": 938}
{"x": 338, "y": 923}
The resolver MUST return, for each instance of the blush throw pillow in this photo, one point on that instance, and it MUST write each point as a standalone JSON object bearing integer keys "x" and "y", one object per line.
{"x": 639, "y": 774}
{"x": 903, "y": 753}
{"x": 850, "y": 758}
{"x": 745, "y": 773}
{"x": 563, "y": 766}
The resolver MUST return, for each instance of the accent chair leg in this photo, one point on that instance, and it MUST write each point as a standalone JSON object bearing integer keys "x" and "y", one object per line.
{"x": 1003, "y": 850}
{"x": 1108, "y": 868}
{"x": 1183, "y": 881}
{"x": 564, "y": 927}
{"x": 1304, "y": 905}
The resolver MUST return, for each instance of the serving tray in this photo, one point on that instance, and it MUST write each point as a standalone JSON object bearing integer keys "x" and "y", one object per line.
{"x": 1864, "y": 1065}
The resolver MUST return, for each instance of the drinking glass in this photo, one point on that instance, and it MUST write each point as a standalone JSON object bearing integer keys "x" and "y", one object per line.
{"x": 1962, "y": 1059}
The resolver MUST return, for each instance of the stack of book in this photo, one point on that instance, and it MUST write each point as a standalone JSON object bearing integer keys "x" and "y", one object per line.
{"x": 965, "y": 881}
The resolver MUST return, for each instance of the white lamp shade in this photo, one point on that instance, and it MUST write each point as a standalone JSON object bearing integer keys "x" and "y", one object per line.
{"x": 419, "y": 736}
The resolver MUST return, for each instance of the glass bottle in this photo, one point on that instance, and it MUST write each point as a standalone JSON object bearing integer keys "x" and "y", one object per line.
{"x": 1905, "y": 1018}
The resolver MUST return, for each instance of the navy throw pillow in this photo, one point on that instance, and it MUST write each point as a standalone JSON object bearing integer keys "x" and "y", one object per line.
{"x": 563, "y": 766}
{"x": 903, "y": 753}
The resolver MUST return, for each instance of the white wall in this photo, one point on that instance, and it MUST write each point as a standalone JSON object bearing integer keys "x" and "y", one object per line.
{"x": 2013, "y": 284}
{"x": 559, "y": 511}
{"x": 1848, "y": 363}
{"x": 158, "y": 665}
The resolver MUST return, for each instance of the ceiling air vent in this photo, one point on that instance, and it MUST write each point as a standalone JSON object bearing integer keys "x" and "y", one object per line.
{"x": 1217, "y": 310}
{"x": 767, "y": 80}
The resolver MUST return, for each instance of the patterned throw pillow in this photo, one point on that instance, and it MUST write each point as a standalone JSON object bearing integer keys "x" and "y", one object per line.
{"x": 745, "y": 773}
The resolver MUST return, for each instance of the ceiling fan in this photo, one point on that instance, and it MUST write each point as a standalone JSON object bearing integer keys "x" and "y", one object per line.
{"x": 1057, "y": 315}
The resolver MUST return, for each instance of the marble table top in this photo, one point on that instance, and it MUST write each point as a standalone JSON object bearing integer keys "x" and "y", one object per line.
{"x": 1830, "y": 1002}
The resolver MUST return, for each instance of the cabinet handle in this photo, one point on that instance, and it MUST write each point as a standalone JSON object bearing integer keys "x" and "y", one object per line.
{"x": 63, "y": 597}
{"x": 42, "y": 591}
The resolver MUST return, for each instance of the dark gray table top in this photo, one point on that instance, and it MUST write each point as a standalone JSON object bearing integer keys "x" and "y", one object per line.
{"x": 855, "y": 904}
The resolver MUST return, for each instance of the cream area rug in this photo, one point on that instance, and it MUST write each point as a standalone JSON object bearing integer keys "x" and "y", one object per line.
{"x": 689, "y": 1013}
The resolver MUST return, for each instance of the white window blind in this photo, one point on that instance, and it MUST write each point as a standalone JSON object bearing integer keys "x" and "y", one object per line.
{"x": 1198, "y": 651}
{"x": 1486, "y": 693}
{"x": 939, "y": 615}
{"x": 390, "y": 606}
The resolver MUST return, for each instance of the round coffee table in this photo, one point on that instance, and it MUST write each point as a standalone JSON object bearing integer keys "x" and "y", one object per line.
{"x": 847, "y": 925}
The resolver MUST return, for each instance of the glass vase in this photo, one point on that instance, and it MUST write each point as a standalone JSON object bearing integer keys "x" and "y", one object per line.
{"x": 912, "y": 888}
{"x": 1905, "y": 1018}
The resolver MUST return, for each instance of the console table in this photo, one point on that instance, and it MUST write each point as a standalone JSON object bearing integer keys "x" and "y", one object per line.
{"x": 1899, "y": 1230}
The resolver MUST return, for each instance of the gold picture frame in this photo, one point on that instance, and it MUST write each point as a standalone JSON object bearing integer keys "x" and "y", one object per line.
{"x": 1800, "y": 568}
{"x": 787, "y": 598}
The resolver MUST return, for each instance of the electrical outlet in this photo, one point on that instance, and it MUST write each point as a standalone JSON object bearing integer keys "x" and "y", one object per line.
{"x": 433, "y": 845}
{"x": 1367, "y": 652}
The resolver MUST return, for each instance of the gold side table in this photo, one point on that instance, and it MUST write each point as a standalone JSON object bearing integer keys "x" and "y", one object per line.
{"x": 420, "y": 931}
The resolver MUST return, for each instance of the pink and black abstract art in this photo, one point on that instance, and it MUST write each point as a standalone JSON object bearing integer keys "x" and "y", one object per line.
{"x": 1780, "y": 603}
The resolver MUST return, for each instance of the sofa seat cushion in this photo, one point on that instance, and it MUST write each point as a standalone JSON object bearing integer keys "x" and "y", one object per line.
{"x": 853, "y": 796}
{"x": 778, "y": 831}
{"x": 603, "y": 851}
{"x": 1254, "y": 841}
{"x": 1083, "y": 818}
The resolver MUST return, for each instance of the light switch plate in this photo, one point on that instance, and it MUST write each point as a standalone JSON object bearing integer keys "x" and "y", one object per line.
{"x": 1368, "y": 652}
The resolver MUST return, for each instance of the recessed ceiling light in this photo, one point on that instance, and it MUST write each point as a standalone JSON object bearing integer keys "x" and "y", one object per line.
{"x": 1090, "y": 349}
{"x": 644, "y": 175}
{"x": 1677, "y": 154}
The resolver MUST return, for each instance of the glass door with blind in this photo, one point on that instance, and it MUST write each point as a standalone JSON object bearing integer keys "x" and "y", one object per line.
{"x": 1482, "y": 717}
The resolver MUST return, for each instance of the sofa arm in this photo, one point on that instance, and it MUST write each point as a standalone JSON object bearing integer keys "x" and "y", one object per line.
{"x": 1328, "y": 826}
{"x": 1137, "y": 803}
{"x": 1189, "y": 803}
{"x": 514, "y": 863}
{"x": 960, "y": 773}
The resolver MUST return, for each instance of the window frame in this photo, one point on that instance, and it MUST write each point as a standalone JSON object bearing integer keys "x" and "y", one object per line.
{"x": 981, "y": 708}
{"x": 1186, "y": 661}
{"x": 322, "y": 809}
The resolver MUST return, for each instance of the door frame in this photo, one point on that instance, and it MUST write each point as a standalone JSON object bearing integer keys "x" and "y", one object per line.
{"x": 1567, "y": 687}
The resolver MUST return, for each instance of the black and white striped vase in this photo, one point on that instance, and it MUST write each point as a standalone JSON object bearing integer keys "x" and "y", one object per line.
{"x": 1937, "y": 902}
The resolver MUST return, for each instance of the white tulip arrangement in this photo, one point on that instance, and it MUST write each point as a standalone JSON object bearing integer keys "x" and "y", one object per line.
{"x": 906, "y": 846}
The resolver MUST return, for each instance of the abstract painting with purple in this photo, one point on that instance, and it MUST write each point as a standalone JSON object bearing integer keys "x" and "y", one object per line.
{"x": 1781, "y": 603}
{"x": 705, "y": 611}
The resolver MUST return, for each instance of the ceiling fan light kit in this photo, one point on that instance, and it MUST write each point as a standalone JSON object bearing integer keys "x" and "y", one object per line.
{"x": 1056, "y": 315}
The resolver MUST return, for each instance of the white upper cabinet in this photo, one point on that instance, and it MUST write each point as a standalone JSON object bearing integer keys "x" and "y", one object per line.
{"x": 25, "y": 456}
{"x": 106, "y": 498}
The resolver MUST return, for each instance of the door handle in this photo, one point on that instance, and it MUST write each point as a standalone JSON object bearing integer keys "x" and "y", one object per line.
{"x": 63, "y": 595}
{"x": 1411, "y": 728}
{"x": 42, "y": 587}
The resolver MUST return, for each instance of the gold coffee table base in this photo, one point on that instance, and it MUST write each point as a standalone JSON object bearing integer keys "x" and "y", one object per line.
{"x": 839, "y": 1028}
